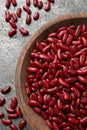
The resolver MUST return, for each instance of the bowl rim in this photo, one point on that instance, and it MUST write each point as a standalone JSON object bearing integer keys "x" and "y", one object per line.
{"x": 27, "y": 45}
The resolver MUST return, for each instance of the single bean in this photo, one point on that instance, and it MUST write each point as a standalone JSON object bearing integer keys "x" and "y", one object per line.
{"x": 6, "y": 90}
{"x": 27, "y": 9}
{"x": 14, "y": 17}
{"x": 1, "y": 114}
{"x": 7, "y": 16}
{"x": 2, "y": 101}
{"x": 18, "y": 111}
{"x": 7, "y": 4}
{"x": 13, "y": 127}
{"x": 12, "y": 116}
{"x": 36, "y": 16}
{"x": 10, "y": 110}
{"x": 13, "y": 24}
{"x": 22, "y": 124}
{"x": 14, "y": 2}
{"x": 28, "y": 2}
{"x": 35, "y": 3}
{"x": 40, "y": 4}
{"x": 6, "y": 121}
{"x": 18, "y": 12}
{"x": 28, "y": 19}
{"x": 13, "y": 103}
{"x": 47, "y": 6}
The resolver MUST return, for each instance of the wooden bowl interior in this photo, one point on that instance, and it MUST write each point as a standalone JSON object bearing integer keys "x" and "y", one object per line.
{"x": 36, "y": 122}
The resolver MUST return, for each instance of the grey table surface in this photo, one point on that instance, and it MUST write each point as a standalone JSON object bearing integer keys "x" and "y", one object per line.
{"x": 10, "y": 47}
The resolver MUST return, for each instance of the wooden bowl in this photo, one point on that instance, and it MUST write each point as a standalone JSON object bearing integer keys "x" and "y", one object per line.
{"x": 36, "y": 122}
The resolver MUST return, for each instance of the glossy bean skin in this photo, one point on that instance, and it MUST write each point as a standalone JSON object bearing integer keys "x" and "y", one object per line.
{"x": 2, "y": 101}
{"x": 28, "y": 2}
{"x": 6, "y": 90}
{"x": 14, "y": 17}
{"x": 12, "y": 116}
{"x": 14, "y": 2}
{"x": 28, "y": 19}
{"x": 7, "y": 16}
{"x": 47, "y": 6}
{"x": 36, "y": 16}
{"x": 22, "y": 124}
{"x": 23, "y": 31}
{"x": 18, "y": 111}
{"x": 6, "y": 121}
{"x": 35, "y": 3}
{"x": 7, "y": 4}
{"x": 18, "y": 12}
{"x": 1, "y": 114}
{"x": 13, "y": 127}
{"x": 13, "y": 103}
{"x": 13, "y": 24}
{"x": 27, "y": 9}
{"x": 40, "y": 4}
{"x": 12, "y": 32}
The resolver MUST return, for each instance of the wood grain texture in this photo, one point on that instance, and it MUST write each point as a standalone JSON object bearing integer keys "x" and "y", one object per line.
{"x": 36, "y": 122}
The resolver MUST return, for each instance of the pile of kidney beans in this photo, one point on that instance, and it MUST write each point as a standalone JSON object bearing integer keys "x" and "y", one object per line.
{"x": 13, "y": 111}
{"x": 57, "y": 78}
{"x": 12, "y": 17}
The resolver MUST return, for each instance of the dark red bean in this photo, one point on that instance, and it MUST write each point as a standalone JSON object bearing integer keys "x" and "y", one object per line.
{"x": 35, "y": 3}
{"x": 7, "y": 16}
{"x": 27, "y": 9}
{"x": 1, "y": 114}
{"x": 14, "y": 17}
{"x": 64, "y": 83}
{"x": 83, "y": 121}
{"x": 52, "y": 90}
{"x": 44, "y": 57}
{"x": 36, "y": 16}
{"x": 6, "y": 90}
{"x": 23, "y": 31}
{"x": 76, "y": 91}
{"x": 64, "y": 47}
{"x": 84, "y": 100}
{"x": 28, "y": 2}
{"x": 77, "y": 32}
{"x": 33, "y": 103}
{"x": 12, "y": 32}
{"x": 9, "y": 110}
{"x": 84, "y": 41}
{"x": 55, "y": 126}
{"x": 82, "y": 79}
{"x": 2, "y": 101}
{"x": 53, "y": 82}
{"x": 47, "y": 6}
{"x": 13, "y": 24}
{"x": 6, "y": 121}
{"x": 7, "y": 4}
{"x": 37, "y": 110}
{"x": 22, "y": 124}
{"x": 52, "y": 1}
{"x": 13, "y": 127}
{"x": 40, "y": 4}
{"x": 14, "y": 2}
{"x": 13, "y": 103}
{"x": 28, "y": 19}
{"x": 12, "y": 116}
{"x": 73, "y": 121}
{"x": 18, "y": 111}
{"x": 49, "y": 123}
{"x": 18, "y": 12}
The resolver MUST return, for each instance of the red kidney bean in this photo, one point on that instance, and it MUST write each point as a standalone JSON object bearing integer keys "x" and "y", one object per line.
{"x": 76, "y": 91}
{"x": 6, "y": 90}
{"x": 2, "y": 101}
{"x": 9, "y": 110}
{"x": 13, "y": 103}
{"x": 61, "y": 33}
{"x": 70, "y": 31}
{"x": 55, "y": 126}
{"x": 83, "y": 121}
{"x": 14, "y": 17}
{"x": 47, "y": 6}
{"x": 12, "y": 32}
{"x": 44, "y": 57}
{"x": 64, "y": 83}
{"x": 28, "y": 19}
{"x": 73, "y": 121}
{"x": 82, "y": 59}
{"x": 28, "y": 2}
{"x": 32, "y": 69}
{"x": 77, "y": 32}
{"x": 18, "y": 111}
{"x": 84, "y": 50}
{"x": 12, "y": 116}
{"x": 53, "y": 82}
{"x": 66, "y": 128}
{"x": 63, "y": 125}
{"x": 45, "y": 84}
{"x": 82, "y": 79}
{"x": 33, "y": 103}
{"x": 13, "y": 24}
{"x": 27, "y": 9}
{"x": 63, "y": 47}
{"x": 84, "y": 100}
{"x": 7, "y": 16}
{"x": 57, "y": 120}
{"x": 37, "y": 110}
{"x": 36, "y": 16}
{"x": 40, "y": 4}
{"x": 13, "y": 127}
{"x": 49, "y": 123}
{"x": 84, "y": 41}
{"x": 7, "y": 4}
{"x": 59, "y": 55}
{"x": 14, "y": 2}
{"x": 18, "y": 12}
{"x": 22, "y": 124}
{"x": 69, "y": 40}
{"x": 46, "y": 49}
{"x": 35, "y": 3}
{"x": 52, "y": 90}
{"x": 82, "y": 71}
{"x": 23, "y": 31}
{"x": 6, "y": 121}
{"x": 1, "y": 114}
{"x": 65, "y": 37}
{"x": 84, "y": 94}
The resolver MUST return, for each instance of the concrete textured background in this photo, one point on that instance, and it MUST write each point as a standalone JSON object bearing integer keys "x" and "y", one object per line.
{"x": 10, "y": 47}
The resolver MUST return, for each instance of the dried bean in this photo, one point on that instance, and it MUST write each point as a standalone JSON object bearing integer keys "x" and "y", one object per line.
{"x": 14, "y": 2}
{"x": 13, "y": 127}
{"x": 2, "y": 101}
{"x": 23, "y": 31}
{"x": 6, "y": 90}
{"x": 12, "y": 32}
{"x": 6, "y": 121}
{"x": 13, "y": 103}
{"x": 22, "y": 124}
